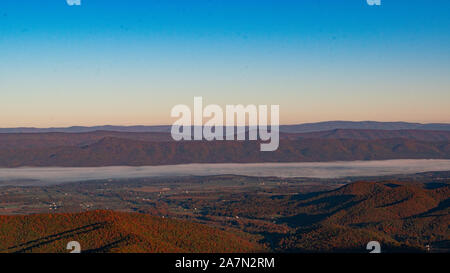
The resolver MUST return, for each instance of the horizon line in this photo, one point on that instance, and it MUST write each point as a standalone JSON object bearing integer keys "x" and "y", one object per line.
{"x": 169, "y": 125}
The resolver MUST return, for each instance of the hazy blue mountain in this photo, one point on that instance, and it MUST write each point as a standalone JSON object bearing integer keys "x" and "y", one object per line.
{"x": 368, "y": 125}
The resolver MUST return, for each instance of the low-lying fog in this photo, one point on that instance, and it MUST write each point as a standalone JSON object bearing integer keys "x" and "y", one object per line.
{"x": 56, "y": 175}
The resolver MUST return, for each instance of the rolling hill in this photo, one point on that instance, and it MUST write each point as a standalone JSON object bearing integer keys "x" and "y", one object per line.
{"x": 108, "y": 231}
{"x": 401, "y": 216}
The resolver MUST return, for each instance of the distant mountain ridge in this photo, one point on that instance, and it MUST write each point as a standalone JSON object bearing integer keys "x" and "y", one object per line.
{"x": 366, "y": 134}
{"x": 298, "y": 128}
{"x": 113, "y": 151}
{"x": 366, "y": 125}
{"x": 87, "y": 129}
{"x": 46, "y": 140}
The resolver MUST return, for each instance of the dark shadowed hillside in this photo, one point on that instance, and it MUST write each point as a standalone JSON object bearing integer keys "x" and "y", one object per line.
{"x": 421, "y": 135}
{"x": 46, "y": 140}
{"x": 402, "y": 216}
{"x": 107, "y": 231}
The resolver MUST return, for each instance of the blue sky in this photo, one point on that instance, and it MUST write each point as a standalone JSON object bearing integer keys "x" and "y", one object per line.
{"x": 130, "y": 62}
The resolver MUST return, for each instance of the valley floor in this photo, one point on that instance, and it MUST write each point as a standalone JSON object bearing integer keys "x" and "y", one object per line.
{"x": 403, "y": 212}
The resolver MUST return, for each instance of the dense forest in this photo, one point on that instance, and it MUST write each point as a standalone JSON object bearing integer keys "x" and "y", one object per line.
{"x": 108, "y": 231}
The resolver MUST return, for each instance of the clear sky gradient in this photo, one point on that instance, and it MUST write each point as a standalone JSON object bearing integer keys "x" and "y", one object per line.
{"x": 129, "y": 62}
